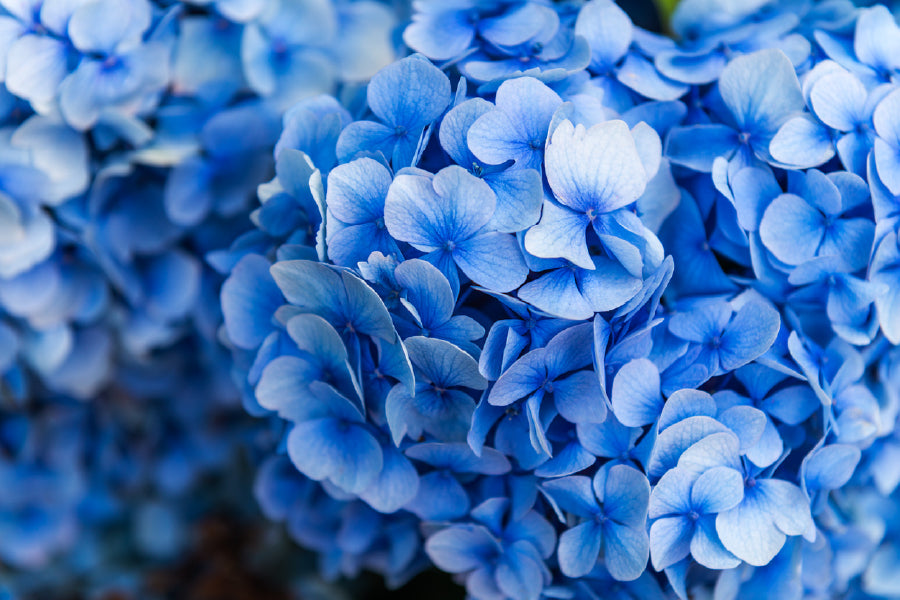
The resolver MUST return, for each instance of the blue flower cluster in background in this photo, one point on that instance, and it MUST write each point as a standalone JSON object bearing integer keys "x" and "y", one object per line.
{"x": 134, "y": 136}
{"x": 515, "y": 289}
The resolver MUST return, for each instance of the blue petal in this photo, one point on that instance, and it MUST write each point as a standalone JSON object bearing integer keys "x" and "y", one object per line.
{"x": 561, "y": 233}
{"x": 672, "y": 442}
{"x": 715, "y": 450}
{"x": 461, "y": 548}
{"x": 754, "y": 188}
{"x": 428, "y": 213}
{"x": 597, "y": 169}
{"x": 641, "y": 75}
{"x": 697, "y": 146}
{"x": 342, "y": 452}
{"x": 625, "y": 494}
{"x": 396, "y": 485}
{"x": 579, "y": 399}
{"x": 249, "y": 300}
{"x": 365, "y": 136}
{"x": 717, "y": 490}
{"x": 36, "y": 65}
{"x": 572, "y": 494}
{"x": 520, "y": 572}
{"x": 747, "y": 422}
{"x": 517, "y": 128}
{"x": 459, "y": 458}
{"x": 440, "y": 35}
{"x": 885, "y": 262}
{"x": 492, "y": 260}
{"x": 444, "y": 364}
{"x": 557, "y": 293}
{"x": 626, "y": 551}
{"x": 693, "y": 68}
{"x": 672, "y": 494}
{"x": 409, "y": 93}
{"x": 636, "y": 398}
{"x": 707, "y": 549}
{"x": 455, "y": 126}
{"x": 750, "y": 334}
{"x": 427, "y": 291}
{"x": 339, "y": 298}
{"x": 761, "y": 90}
{"x": 520, "y": 24}
{"x": 839, "y": 100}
{"x": 670, "y": 541}
{"x": 579, "y": 548}
{"x": 830, "y": 467}
{"x": 609, "y": 286}
{"x": 440, "y": 498}
{"x": 609, "y": 439}
{"x": 102, "y": 26}
{"x": 756, "y": 529}
{"x": 356, "y": 191}
{"x": 702, "y": 323}
{"x": 571, "y": 459}
{"x": 802, "y": 143}
{"x": 607, "y": 29}
{"x": 520, "y": 196}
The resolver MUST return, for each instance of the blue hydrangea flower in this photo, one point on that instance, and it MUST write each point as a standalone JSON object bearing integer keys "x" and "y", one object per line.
{"x": 759, "y": 92}
{"x": 447, "y": 216}
{"x": 404, "y": 111}
{"x": 611, "y": 511}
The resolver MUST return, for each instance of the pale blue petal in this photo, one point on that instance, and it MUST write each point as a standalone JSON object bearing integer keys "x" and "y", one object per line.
{"x": 410, "y": 93}
{"x": 626, "y": 494}
{"x": 686, "y": 403}
{"x": 756, "y": 529}
{"x": 670, "y": 541}
{"x": 356, "y": 191}
{"x": 597, "y": 169}
{"x": 455, "y": 126}
{"x": 636, "y": 398}
{"x": 519, "y": 199}
{"x": 830, "y": 467}
{"x": 579, "y": 548}
{"x": 626, "y": 551}
{"x": 607, "y": 29}
{"x": 557, "y": 293}
{"x": 707, "y": 549}
{"x": 717, "y": 490}
{"x": 572, "y": 495}
{"x": 672, "y": 494}
{"x": 492, "y": 260}
{"x": 761, "y": 90}
{"x": 839, "y": 100}
{"x": 517, "y": 128}
{"x": 561, "y": 233}
{"x": 676, "y": 439}
{"x": 802, "y": 142}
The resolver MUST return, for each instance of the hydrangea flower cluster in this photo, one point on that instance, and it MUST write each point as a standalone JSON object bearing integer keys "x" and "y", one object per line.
{"x": 571, "y": 310}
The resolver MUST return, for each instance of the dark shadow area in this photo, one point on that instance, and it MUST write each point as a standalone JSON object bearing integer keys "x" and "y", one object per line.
{"x": 429, "y": 585}
{"x": 643, "y": 13}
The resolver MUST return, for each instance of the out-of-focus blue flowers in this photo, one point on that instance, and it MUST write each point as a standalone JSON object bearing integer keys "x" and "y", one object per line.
{"x": 560, "y": 306}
